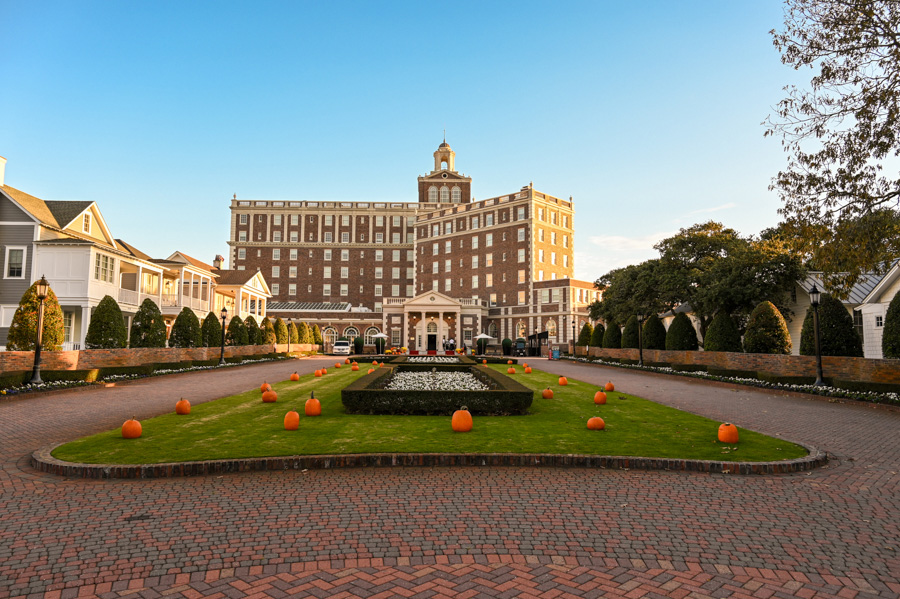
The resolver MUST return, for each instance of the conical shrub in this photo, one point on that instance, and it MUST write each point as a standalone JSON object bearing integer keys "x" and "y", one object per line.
{"x": 107, "y": 327}
{"x": 837, "y": 335}
{"x": 186, "y": 330}
{"x": 890, "y": 339}
{"x": 148, "y": 327}
{"x": 23, "y": 329}
{"x": 211, "y": 331}
{"x": 722, "y": 335}
{"x": 597, "y": 335}
{"x": 654, "y": 333}
{"x": 612, "y": 338}
{"x": 767, "y": 332}
{"x": 681, "y": 336}
{"x": 630, "y": 333}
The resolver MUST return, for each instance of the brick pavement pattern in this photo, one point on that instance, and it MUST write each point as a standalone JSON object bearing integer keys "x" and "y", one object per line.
{"x": 455, "y": 532}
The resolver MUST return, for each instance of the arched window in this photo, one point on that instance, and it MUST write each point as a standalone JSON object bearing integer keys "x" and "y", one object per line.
{"x": 351, "y": 333}
{"x": 551, "y": 328}
{"x": 492, "y": 330}
{"x": 329, "y": 335}
{"x": 431, "y": 327}
{"x": 445, "y": 194}
{"x": 456, "y": 195}
{"x": 520, "y": 329}
{"x": 370, "y": 335}
{"x": 432, "y": 194}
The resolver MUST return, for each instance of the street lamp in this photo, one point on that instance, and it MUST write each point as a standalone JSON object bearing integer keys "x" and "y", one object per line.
{"x": 290, "y": 322}
{"x": 640, "y": 317}
{"x": 814, "y": 295}
{"x": 224, "y": 315}
{"x": 42, "y": 287}
{"x": 574, "y": 340}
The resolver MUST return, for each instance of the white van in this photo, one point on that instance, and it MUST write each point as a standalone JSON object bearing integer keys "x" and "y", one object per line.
{"x": 341, "y": 348}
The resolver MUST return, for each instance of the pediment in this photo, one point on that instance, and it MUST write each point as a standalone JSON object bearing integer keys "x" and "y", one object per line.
{"x": 438, "y": 176}
{"x": 431, "y": 298}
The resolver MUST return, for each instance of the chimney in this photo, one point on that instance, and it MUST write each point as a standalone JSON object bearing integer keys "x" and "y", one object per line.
{"x": 2, "y": 169}
{"x": 217, "y": 261}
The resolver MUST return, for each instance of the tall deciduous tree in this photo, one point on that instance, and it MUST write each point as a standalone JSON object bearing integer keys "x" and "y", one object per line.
{"x": 840, "y": 195}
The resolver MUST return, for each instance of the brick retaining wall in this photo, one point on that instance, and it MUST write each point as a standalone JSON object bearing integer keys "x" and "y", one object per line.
{"x": 86, "y": 359}
{"x": 840, "y": 368}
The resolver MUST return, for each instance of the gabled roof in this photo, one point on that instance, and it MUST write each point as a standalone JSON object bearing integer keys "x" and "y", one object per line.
{"x": 886, "y": 281}
{"x": 309, "y": 306}
{"x": 858, "y": 292}
{"x": 66, "y": 211}
{"x": 235, "y": 277}
{"x": 36, "y": 207}
{"x": 182, "y": 257}
{"x": 134, "y": 251}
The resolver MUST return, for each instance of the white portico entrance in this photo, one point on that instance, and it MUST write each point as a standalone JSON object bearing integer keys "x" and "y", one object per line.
{"x": 428, "y": 321}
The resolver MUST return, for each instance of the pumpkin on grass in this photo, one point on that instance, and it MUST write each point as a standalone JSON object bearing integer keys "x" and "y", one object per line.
{"x": 599, "y": 398}
{"x": 347, "y": 361}
{"x": 528, "y": 370}
{"x": 609, "y": 386}
{"x": 728, "y": 433}
{"x": 131, "y": 429}
{"x": 313, "y": 407}
{"x": 337, "y": 364}
{"x": 510, "y": 370}
{"x": 462, "y": 420}
{"x": 509, "y": 361}
{"x": 563, "y": 381}
{"x": 269, "y": 397}
{"x": 318, "y": 373}
{"x": 324, "y": 371}
{"x": 354, "y": 367}
{"x": 484, "y": 361}
{"x": 547, "y": 393}
{"x": 291, "y": 421}
{"x": 596, "y": 424}
{"x": 182, "y": 407}
{"x": 371, "y": 370}
{"x": 295, "y": 377}
{"x": 265, "y": 387}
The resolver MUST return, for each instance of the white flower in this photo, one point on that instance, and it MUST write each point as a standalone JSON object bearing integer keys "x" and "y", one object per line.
{"x": 434, "y": 381}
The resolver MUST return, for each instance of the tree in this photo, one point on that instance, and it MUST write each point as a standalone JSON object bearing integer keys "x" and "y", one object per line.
{"x": 148, "y": 327}
{"x": 358, "y": 344}
{"x": 281, "y": 332}
{"x": 186, "y": 330}
{"x": 23, "y": 329}
{"x": 839, "y": 199}
{"x": 253, "y": 331}
{"x": 612, "y": 338}
{"x": 506, "y": 344}
{"x": 890, "y": 339}
{"x": 681, "y": 336}
{"x": 767, "y": 331}
{"x": 107, "y": 327}
{"x": 236, "y": 334}
{"x": 584, "y": 337}
{"x": 653, "y": 334}
{"x": 628, "y": 291}
{"x": 597, "y": 335}
{"x": 630, "y": 333}
{"x": 722, "y": 335}
{"x": 211, "y": 331}
{"x": 268, "y": 331}
{"x": 837, "y": 335}
{"x": 297, "y": 334}
{"x": 317, "y": 335}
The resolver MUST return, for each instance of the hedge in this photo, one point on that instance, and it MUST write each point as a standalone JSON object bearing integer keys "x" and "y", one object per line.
{"x": 148, "y": 327}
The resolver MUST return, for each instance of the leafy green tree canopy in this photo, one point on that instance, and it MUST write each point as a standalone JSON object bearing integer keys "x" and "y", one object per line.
{"x": 23, "y": 329}
{"x": 148, "y": 327}
{"x": 837, "y": 335}
{"x": 186, "y": 330}
{"x": 107, "y": 328}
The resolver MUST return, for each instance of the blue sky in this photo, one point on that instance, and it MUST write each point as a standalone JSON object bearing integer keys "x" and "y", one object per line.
{"x": 647, "y": 113}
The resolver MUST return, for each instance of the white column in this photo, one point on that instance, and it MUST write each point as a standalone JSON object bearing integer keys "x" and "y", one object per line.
{"x": 85, "y": 321}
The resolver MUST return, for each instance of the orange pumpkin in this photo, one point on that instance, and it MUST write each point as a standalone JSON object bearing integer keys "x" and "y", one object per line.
{"x": 596, "y": 424}
{"x": 381, "y": 364}
{"x": 528, "y": 370}
{"x": 462, "y": 420}
{"x": 354, "y": 367}
{"x": 371, "y": 370}
{"x": 374, "y": 362}
{"x": 510, "y": 370}
{"x": 728, "y": 433}
{"x": 265, "y": 387}
{"x": 182, "y": 407}
{"x": 547, "y": 393}
{"x": 324, "y": 371}
{"x": 509, "y": 361}
{"x": 291, "y": 421}
{"x": 313, "y": 407}
{"x": 609, "y": 387}
{"x": 337, "y": 364}
{"x": 318, "y": 373}
{"x": 131, "y": 429}
{"x": 599, "y": 397}
{"x": 295, "y": 377}
{"x": 269, "y": 397}
{"x": 563, "y": 381}
{"x": 484, "y": 361}
{"x": 525, "y": 364}
{"x": 347, "y": 361}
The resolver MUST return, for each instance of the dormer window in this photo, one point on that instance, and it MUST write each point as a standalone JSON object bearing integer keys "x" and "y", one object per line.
{"x": 86, "y": 225}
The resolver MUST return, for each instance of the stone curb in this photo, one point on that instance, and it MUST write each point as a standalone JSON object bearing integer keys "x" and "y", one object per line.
{"x": 44, "y": 462}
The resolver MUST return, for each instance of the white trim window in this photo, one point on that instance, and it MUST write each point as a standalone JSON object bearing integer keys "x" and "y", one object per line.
{"x": 86, "y": 223}
{"x": 14, "y": 262}
{"x": 105, "y": 268}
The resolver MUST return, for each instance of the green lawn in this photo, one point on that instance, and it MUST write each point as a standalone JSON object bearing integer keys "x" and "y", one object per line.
{"x": 241, "y": 426}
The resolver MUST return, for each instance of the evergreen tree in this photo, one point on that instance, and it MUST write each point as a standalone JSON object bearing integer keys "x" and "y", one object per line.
{"x": 298, "y": 334}
{"x": 317, "y": 335}
{"x": 23, "y": 329}
{"x": 281, "y": 331}
{"x": 612, "y": 338}
{"x": 584, "y": 337}
{"x": 253, "y": 332}
{"x": 890, "y": 338}
{"x": 630, "y": 333}
{"x": 681, "y": 335}
{"x": 186, "y": 330}
{"x": 236, "y": 334}
{"x": 268, "y": 332}
{"x": 148, "y": 327}
{"x": 597, "y": 335}
{"x": 723, "y": 334}
{"x": 767, "y": 332}
{"x": 211, "y": 331}
{"x": 653, "y": 333}
{"x": 837, "y": 335}
{"x": 107, "y": 328}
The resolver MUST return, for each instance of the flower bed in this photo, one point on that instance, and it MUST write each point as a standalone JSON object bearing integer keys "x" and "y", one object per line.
{"x": 432, "y": 359}
{"x": 435, "y": 381}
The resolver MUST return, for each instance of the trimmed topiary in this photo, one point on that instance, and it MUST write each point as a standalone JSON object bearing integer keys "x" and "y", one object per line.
{"x": 681, "y": 335}
{"x": 186, "y": 330}
{"x": 767, "y": 332}
{"x": 268, "y": 328}
{"x": 236, "y": 334}
{"x": 890, "y": 337}
{"x": 653, "y": 333}
{"x": 281, "y": 331}
{"x": 23, "y": 329}
{"x": 612, "y": 338}
{"x": 584, "y": 337}
{"x": 211, "y": 331}
{"x": 294, "y": 334}
{"x": 630, "y": 333}
{"x": 148, "y": 328}
{"x": 253, "y": 331}
{"x": 107, "y": 327}
{"x": 507, "y": 346}
{"x": 597, "y": 335}
{"x": 722, "y": 334}
{"x": 358, "y": 343}
{"x": 837, "y": 336}
{"x": 317, "y": 335}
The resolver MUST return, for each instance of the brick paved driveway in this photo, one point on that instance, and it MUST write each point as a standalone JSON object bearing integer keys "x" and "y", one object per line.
{"x": 467, "y": 532}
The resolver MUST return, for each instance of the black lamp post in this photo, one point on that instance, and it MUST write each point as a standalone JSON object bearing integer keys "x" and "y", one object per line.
{"x": 574, "y": 339}
{"x": 42, "y": 287}
{"x": 640, "y": 318}
{"x": 814, "y": 295}
{"x": 290, "y": 322}
{"x": 224, "y": 315}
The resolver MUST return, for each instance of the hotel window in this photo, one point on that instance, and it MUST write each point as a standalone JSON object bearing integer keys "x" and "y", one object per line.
{"x": 565, "y": 241}
{"x": 474, "y": 261}
{"x": 540, "y": 214}
{"x": 409, "y": 272}
{"x": 540, "y": 255}
{"x": 398, "y": 221}
{"x": 312, "y": 219}
{"x": 447, "y": 266}
{"x": 275, "y": 289}
{"x": 489, "y": 219}
{"x": 522, "y": 255}
{"x": 448, "y": 247}
{"x": 553, "y": 238}
{"x": 295, "y": 219}
{"x": 395, "y": 290}
{"x": 15, "y": 264}
{"x": 410, "y": 236}
{"x": 410, "y": 290}
{"x": 362, "y": 236}
{"x": 448, "y": 227}
{"x": 326, "y": 274}
{"x": 395, "y": 273}
{"x": 488, "y": 240}
{"x": 243, "y": 219}
{"x": 545, "y": 296}
{"x": 540, "y": 235}
{"x": 493, "y": 298}
{"x": 292, "y": 289}
{"x": 474, "y": 281}
{"x": 378, "y": 292}
{"x": 434, "y": 268}
{"x": 345, "y": 220}
{"x": 276, "y": 219}
{"x": 260, "y": 218}
{"x": 474, "y": 222}
{"x": 395, "y": 256}
{"x": 362, "y": 272}
{"x": 276, "y": 254}
{"x": 520, "y": 214}
{"x": 432, "y": 194}
{"x": 552, "y": 276}
{"x": 326, "y": 255}
{"x": 276, "y": 271}
{"x": 553, "y": 258}
{"x": 345, "y": 237}
{"x": 292, "y": 272}
{"x": 293, "y": 254}
{"x": 448, "y": 285}
{"x": 276, "y": 236}
{"x": 435, "y": 230}
{"x": 553, "y": 217}
{"x": 242, "y": 253}
{"x": 329, "y": 220}
{"x": 409, "y": 255}
{"x": 345, "y": 255}
{"x": 556, "y": 296}
{"x": 434, "y": 249}
{"x": 475, "y": 243}
{"x": 345, "y": 272}
{"x": 395, "y": 237}
{"x": 86, "y": 224}
{"x": 565, "y": 260}
{"x": 540, "y": 275}
{"x": 521, "y": 234}
{"x": 521, "y": 298}
{"x": 329, "y": 238}
{"x": 345, "y": 290}
{"x": 488, "y": 280}
{"x": 379, "y": 221}
{"x": 378, "y": 272}
{"x": 294, "y": 236}
{"x": 242, "y": 236}
{"x": 489, "y": 260}
{"x": 68, "y": 323}
{"x": 379, "y": 255}
{"x": 104, "y": 268}
{"x": 455, "y": 195}
{"x": 566, "y": 222}
{"x": 445, "y": 194}
{"x": 879, "y": 321}
{"x": 379, "y": 237}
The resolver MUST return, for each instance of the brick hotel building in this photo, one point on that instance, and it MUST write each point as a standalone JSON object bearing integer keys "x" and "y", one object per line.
{"x": 445, "y": 267}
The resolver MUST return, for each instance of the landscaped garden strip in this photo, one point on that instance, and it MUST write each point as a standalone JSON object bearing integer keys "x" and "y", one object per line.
{"x": 242, "y": 426}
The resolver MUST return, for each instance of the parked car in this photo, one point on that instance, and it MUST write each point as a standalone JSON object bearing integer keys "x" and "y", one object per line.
{"x": 520, "y": 349}
{"x": 341, "y": 348}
